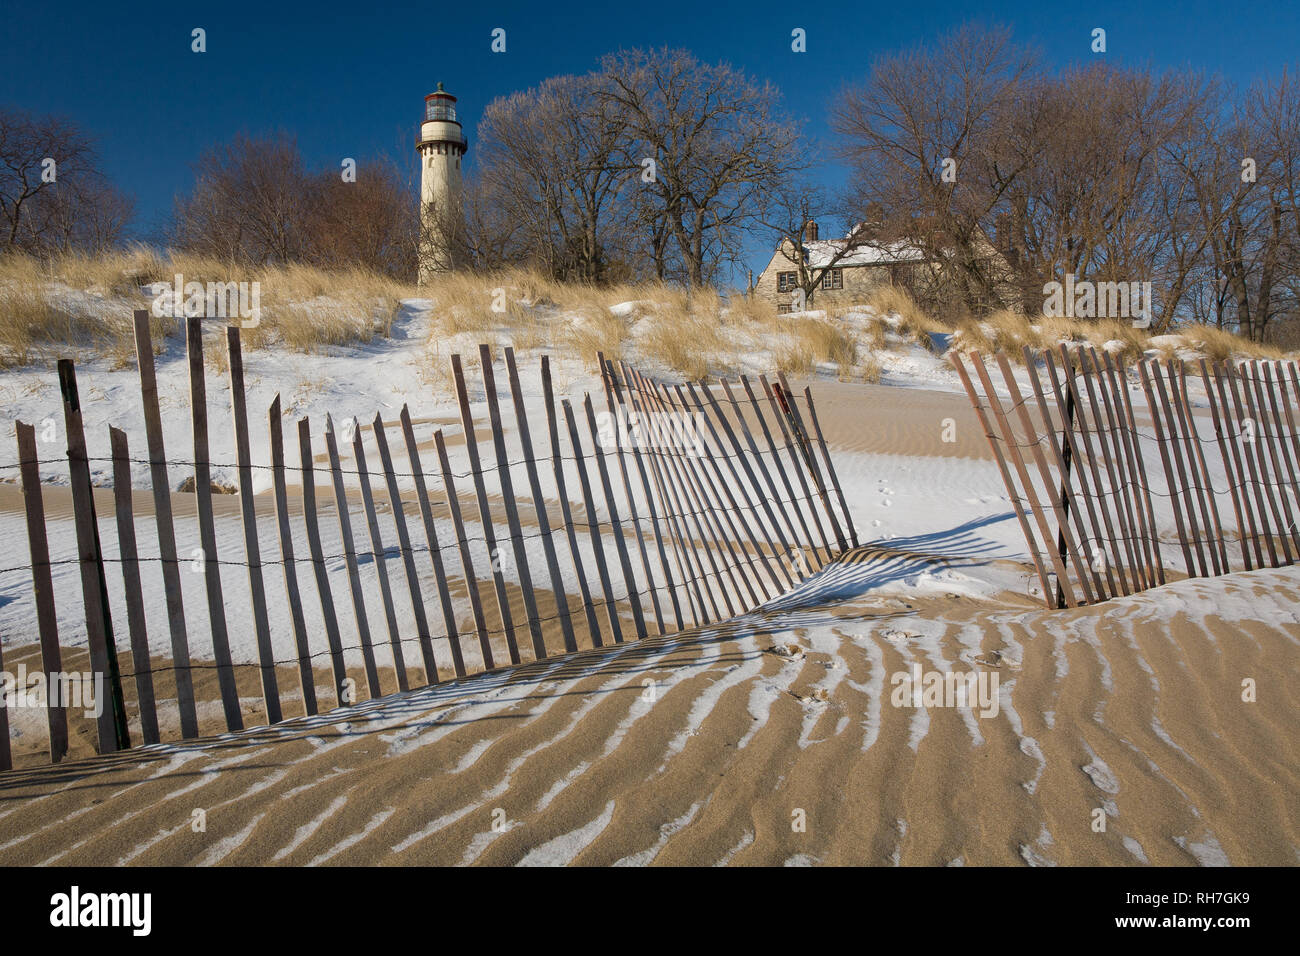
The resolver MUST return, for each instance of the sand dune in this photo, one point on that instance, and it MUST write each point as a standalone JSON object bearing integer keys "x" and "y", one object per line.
{"x": 703, "y": 748}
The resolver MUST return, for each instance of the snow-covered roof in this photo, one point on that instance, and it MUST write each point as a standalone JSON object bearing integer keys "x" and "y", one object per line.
{"x": 819, "y": 253}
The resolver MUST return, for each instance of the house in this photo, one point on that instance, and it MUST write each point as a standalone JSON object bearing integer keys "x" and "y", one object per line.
{"x": 850, "y": 269}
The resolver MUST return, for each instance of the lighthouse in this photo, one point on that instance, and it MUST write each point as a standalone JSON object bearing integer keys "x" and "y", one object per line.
{"x": 441, "y": 146}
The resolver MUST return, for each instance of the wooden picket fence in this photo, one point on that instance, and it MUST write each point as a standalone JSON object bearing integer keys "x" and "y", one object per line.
{"x": 1075, "y": 456}
{"x": 679, "y": 538}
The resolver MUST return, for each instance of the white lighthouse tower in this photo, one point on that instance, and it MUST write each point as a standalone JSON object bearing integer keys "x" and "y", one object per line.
{"x": 441, "y": 146}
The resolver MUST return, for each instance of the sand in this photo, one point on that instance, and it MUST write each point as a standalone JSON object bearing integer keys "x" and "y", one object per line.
{"x": 1121, "y": 736}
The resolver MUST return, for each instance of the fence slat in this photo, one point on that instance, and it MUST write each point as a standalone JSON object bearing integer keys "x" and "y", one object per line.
{"x": 800, "y": 430}
{"x": 248, "y": 514}
{"x": 766, "y": 504}
{"x": 785, "y": 422}
{"x": 1082, "y": 463}
{"x": 1134, "y": 445}
{"x": 306, "y": 677}
{"x": 508, "y": 500}
{"x": 1258, "y": 468}
{"x": 830, "y": 466}
{"x": 773, "y": 586}
{"x": 700, "y": 515}
{"x": 350, "y": 561}
{"x": 684, "y": 556}
{"x": 47, "y": 618}
{"x": 1049, "y": 596}
{"x": 1287, "y": 522}
{"x": 1111, "y": 440}
{"x": 1164, "y": 446}
{"x": 689, "y": 513}
{"x": 162, "y": 504}
{"x": 1291, "y": 467}
{"x": 1231, "y": 464}
{"x": 134, "y": 593}
{"x": 593, "y": 526}
{"x": 571, "y": 535}
{"x": 616, "y": 526}
{"x": 485, "y": 511}
{"x": 1201, "y": 473}
{"x": 1177, "y": 439}
{"x": 408, "y": 556}
{"x": 539, "y": 505}
{"x": 466, "y": 560}
{"x": 379, "y": 557}
{"x": 606, "y": 374}
{"x": 111, "y": 721}
{"x": 311, "y": 519}
{"x": 435, "y": 551}
{"x": 207, "y": 526}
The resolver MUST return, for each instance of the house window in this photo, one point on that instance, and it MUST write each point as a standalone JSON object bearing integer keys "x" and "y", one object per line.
{"x": 785, "y": 281}
{"x": 784, "y": 308}
{"x": 833, "y": 279}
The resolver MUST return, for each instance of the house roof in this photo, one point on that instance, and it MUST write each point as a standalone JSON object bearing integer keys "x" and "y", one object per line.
{"x": 819, "y": 253}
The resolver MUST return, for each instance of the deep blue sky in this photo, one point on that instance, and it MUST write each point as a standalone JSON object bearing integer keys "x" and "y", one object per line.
{"x": 348, "y": 79}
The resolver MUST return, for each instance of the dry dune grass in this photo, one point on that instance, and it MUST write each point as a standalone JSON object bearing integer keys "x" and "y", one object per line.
{"x": 75, "y": 302}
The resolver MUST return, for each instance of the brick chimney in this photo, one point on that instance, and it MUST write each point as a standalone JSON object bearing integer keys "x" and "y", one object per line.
{"x": 810, "y": 231}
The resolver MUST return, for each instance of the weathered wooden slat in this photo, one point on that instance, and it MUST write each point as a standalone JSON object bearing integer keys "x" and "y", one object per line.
{"x": 248, "y": 514}
{"x": 1163, "y": 445}
{"x": 1026, "y": 483}
{"x": 1230, "y": 463}
{"x": 1117, "y": 465}
{"x": 1133, "y": 444}
{"x": 1082, "y": 463}
{"x": 570, "y": 532}
{"x": 408, "y": 556}
{"x": 111, "y": 723}
{"x": 162, "y": 502}
{"x": 593, "y": 523}
{"x": 758, "y": 495}
{"x": 1287, "y": 526}
{"x": 350, "y": 562}
{"x": 689, "y": 511}
{"x": 728, "y": 514}
{"x": 691, "y": 572}
{"x": 379, "y": 557}
{"x": 615, "y": 524}
{"x": 1209, "y": 505}
{"x": 1114, "y": 511}
{"x": 754, "y": 529}
{"x": 1257, "y": 512}
{"x": 700, "y": 515}
{"x": 1292, "y": 467}
{"x": 804, "y": 444}
{"x": 606, "y": 378}
{"x": 47, "y": 618}
{"x": 435, "y": 552}
{"x": 558, "y": 591}
{"x": 776, "y": 502}
{"x": 207, "y": 526}
{"x": 312, "y": 521}
{"x": 806, "y": 501}
{"x": 1081, "y": 568}
{"x": 466, "y": 559}
{"x": 1049, "y": 596}
{"x": 707, "y": 509}
{"x": 131, "y": 587}
{"x": 830, "y": 466}
{"x": 292, "y": 596}
{"x": 485, "y": 512}
{"x": 508, "y": 500}
{"x": 1259, "y": 471}
{"x": 1178, "y": 433}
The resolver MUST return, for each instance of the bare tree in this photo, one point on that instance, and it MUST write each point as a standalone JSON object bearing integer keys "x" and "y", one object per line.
{"x": 718, "y": 148}
{"x": 53, "y": 195}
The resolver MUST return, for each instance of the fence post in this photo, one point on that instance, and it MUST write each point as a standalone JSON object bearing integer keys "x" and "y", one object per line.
{"x": 113, "y": 732}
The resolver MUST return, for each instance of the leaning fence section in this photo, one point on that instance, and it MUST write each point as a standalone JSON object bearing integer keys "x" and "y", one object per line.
{"x": 381, "y": 556}
{"x": 1118, "y": 475}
